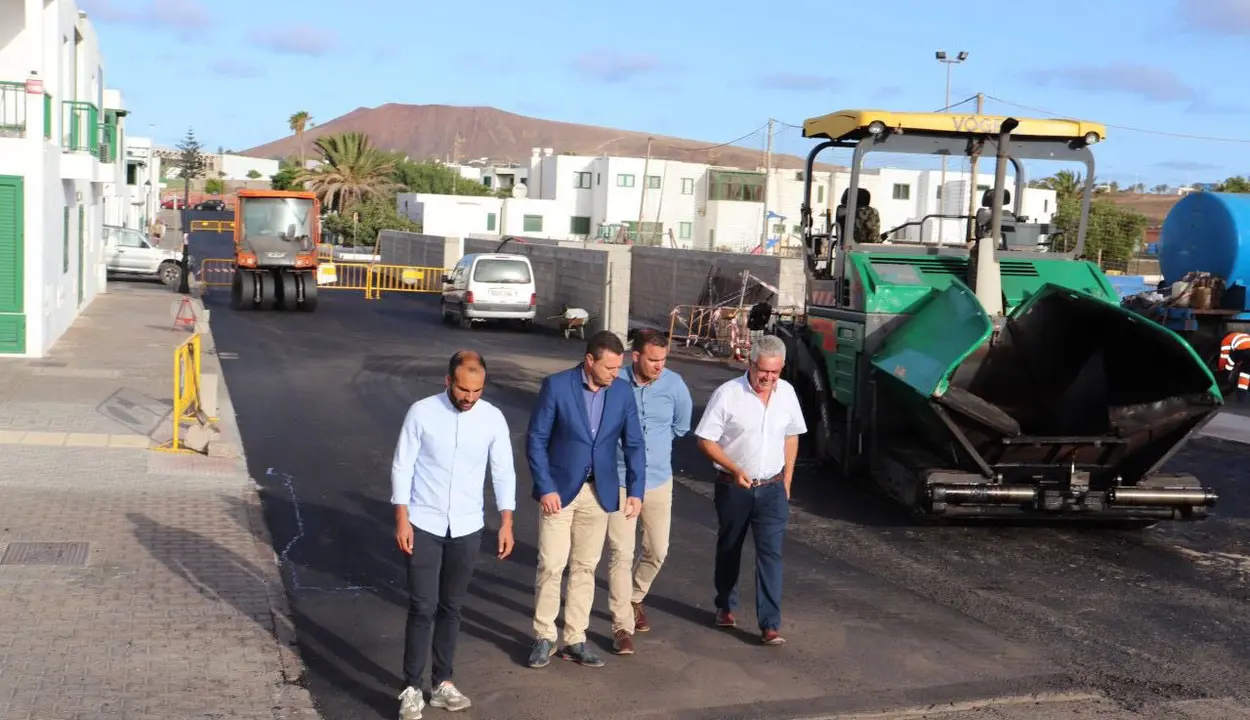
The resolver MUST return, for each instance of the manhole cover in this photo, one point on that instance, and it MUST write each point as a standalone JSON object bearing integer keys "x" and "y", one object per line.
{"x": 45, "y": 553}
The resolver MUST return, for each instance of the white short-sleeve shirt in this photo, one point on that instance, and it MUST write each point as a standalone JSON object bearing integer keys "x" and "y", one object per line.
{"x": 752, "y": 435}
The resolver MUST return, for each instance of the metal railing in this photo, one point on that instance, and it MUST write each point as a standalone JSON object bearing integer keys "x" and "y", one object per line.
{"x": 107, "y": 150}
{"x": 369, "y": 278}
{"x": 12, "y": 109}
{"x": 404, "y": 278}
{"x": 79, "y": 123}
{"x": 217, "y": 226}
{"x": 325, "y": 251}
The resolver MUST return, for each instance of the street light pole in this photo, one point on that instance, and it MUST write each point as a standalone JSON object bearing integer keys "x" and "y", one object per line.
{"x": 184, "y": 285}
{"x": 941, "y": 56}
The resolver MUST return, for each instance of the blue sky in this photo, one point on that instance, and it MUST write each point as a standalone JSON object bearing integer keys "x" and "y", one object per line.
{"x": 236, "y": 70}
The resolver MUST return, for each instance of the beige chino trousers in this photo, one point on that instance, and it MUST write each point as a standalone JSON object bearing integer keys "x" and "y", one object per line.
{"x": 629, "y": 581}
{"x": 574, "y": 538}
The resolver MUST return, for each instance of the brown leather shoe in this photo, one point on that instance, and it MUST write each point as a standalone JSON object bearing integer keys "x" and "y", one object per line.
{"x": 640, "y": 619}
{"x": 622, "y": 643}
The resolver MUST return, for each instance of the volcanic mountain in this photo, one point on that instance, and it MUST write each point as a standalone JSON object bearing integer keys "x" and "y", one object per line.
{"x": 442, "y": 132}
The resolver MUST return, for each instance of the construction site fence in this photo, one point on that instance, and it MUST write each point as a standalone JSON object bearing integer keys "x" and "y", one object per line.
{"x": 369, "y": 278}
{"x": 188, "y": 404}
{"x": 215, "y": 226}
{"x": 719, "y": 330}
{"x": 405, "y": 278}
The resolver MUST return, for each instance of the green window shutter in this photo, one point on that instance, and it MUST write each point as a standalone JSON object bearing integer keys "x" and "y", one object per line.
{"x": 12, "y": 252}
{"x": 12, "y": 266}
{"x": 65, "y": 241}
{"x": 82, "y": 230}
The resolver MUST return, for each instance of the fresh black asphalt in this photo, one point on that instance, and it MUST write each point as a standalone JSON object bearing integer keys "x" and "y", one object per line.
{"x": 879, "y": 613}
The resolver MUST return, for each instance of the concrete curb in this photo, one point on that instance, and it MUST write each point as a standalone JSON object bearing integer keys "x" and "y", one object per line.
{"x": 292, "y": 701}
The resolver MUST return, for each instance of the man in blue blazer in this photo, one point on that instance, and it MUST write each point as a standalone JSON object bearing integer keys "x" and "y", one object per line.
{"x": 582, "y": 416}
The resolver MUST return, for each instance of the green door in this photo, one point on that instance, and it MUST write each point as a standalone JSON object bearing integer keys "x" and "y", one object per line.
{"x": 12, "y": 266}
{"x": 81, "y": 231}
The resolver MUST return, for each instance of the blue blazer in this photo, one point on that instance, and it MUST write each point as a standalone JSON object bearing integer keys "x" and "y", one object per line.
{"x": 561, "y": 451}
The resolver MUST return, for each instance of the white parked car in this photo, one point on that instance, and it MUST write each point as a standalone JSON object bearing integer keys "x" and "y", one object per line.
{"x": 128, "y": 252}
{"x": 491, "y": 286}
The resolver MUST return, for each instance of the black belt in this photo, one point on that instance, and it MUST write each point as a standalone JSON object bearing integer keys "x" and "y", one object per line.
{"x": 727, "y": 478}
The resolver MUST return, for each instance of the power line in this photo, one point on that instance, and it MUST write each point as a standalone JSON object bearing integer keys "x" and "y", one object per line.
{"x": 756, "y": 131}
{"x": 1161, "y": 133}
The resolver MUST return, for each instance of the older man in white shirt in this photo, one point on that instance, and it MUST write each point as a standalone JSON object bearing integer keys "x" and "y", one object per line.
{"x": 750, "y": 430}
{"x": 437, "y": 487}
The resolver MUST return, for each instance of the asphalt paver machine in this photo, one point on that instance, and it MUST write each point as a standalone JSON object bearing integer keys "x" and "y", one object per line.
{"x": 990, "y": 375}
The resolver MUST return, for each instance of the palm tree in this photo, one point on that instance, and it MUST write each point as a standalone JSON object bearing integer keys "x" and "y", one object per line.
{"x": 299, "y": 122}
{"x": 351, "y": 170}
{"x": 1065, "y": 183}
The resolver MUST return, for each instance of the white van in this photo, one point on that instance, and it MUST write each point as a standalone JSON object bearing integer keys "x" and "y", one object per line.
{"x": 490, "y": 286}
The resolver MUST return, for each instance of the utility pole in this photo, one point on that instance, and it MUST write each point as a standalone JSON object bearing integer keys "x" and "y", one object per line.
{"x": 972, "y": 181}
{"x": 768, "y": 161}
{"x": 646, "y": 165}
{"x": 941, "y": 56}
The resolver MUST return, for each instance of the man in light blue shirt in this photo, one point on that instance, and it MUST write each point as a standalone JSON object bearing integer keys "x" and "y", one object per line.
{"x": 438, "y": 478}
{"x": 664, "y": 408}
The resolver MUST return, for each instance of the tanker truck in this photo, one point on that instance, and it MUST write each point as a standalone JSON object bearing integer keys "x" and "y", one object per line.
{"x": 1204, "y": 234}
{"x": 991, "y": 376}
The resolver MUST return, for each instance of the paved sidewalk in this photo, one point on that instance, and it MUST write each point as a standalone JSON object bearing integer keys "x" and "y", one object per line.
{"x": 136, "y": 583}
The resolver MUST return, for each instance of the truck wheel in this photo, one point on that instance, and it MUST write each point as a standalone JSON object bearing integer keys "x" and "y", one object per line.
{"x": 169, "y": 273}
{"x": 288, "y": 291}
{"x": 815, "y": 395}
{"x": 268, "y": 290}
{"x": 242, "y": 290}
{"x": 308, "y": 283}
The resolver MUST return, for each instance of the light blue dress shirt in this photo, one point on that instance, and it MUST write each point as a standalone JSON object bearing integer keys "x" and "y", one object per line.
{"x": 439, "y": 468}
{"x": 664, "y": 409}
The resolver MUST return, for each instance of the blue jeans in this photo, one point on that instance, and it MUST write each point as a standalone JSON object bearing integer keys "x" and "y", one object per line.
{"x": 764, "y": 511}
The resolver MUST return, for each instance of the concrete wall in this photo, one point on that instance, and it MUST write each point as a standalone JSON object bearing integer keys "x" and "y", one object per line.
{"x": 664, "y": 278}
{"x": 596, "y": 280}
{"x": 620, "y": 286}
{"x": 417, "y": 249}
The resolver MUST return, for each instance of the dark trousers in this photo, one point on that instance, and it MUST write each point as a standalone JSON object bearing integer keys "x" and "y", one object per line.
{"x": 439, "y": 571}
{"x": 764, "y": 511}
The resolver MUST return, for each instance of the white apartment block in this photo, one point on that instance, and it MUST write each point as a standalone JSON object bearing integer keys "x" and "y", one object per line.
{"x": 139, "y": 198}
{"x": 697, "y": 206}
{"x": 224, "y": 166}
{"x": 61, "y": 165}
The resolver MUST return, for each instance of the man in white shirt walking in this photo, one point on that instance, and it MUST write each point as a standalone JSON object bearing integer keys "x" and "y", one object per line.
{"x": 750, "y": 431}
{"x": 437, "y": 487}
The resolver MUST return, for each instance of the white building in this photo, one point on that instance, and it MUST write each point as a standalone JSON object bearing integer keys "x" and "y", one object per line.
{"x": 61, "y": 134}
{"x": 698, "y": 206}
{"x": 224, "y": 166}
{"x": 139, "y": 197}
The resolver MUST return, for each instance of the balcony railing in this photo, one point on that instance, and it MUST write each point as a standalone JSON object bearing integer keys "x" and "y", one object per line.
{"x": 107, "y": 151}
{"x": 12, "y": 109}
{"x": 80, "y": 127}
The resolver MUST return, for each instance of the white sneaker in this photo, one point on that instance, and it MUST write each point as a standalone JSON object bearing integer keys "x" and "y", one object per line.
{"x": 411, "y": 703}
{"x": 448, "y": 697}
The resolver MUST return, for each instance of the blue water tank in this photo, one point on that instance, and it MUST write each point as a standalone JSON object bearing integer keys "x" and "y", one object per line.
{"x": 1207, "y": 232}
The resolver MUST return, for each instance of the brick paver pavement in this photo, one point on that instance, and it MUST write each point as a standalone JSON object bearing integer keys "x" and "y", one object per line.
{"x": 167, "y": 603}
